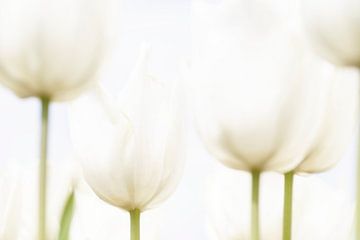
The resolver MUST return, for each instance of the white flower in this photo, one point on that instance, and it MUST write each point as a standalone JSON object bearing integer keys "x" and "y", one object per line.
{"x": 319, "y": 211}
{"x": 50, "y": 48}
{"x": 131, "y": 147}
{"x": 19, "y": 190}
{"x": 333, "y": 27}
{"x": 263, "y": 100}
{"x": 338, "y": 122}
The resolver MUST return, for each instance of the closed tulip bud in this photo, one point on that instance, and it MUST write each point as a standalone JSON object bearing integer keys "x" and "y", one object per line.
{"x": 264, "y": 101}
{"x": 130, "y": 147}
{"x": 334, "y": 29}
{"x": 320, "y": 212}
{"x": 51, "y": 49}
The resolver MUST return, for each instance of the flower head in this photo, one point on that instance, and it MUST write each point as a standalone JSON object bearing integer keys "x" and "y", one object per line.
{"x": 130, "y": 147}
{"x": 51, "y": 49}
{"x": 333, "y": 27}
{"x": 263, "y": 100}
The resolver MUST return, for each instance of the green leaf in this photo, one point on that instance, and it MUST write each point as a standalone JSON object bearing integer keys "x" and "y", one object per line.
{"x": 66, "y": 218}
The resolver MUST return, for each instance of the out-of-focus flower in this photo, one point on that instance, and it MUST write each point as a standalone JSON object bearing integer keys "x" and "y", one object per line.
{"x": 10, "y": 199}
{"x": 92, "y": 220}
{"x": 263, "y": 100}
{"x": 131, "y": 147}
{"x": 334, "y": 29}
{"x": 320, "y": 212}
{"x": 51, "y": 49}
{"x": 338, "y": 121}
{"x": 19, "y": 192}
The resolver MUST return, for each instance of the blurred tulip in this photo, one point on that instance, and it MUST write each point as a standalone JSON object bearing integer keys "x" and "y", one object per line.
{"x": 10, "y": 199}
{"x": 334, "y": 32}
{"x": 50, "y": 49}
{"x": 92, "y": 218}
{"x": 20, "y": 193}
{"x": 131, "y": 149}
{"x": 320, "y": 212}
{"x": 264, "y": 101}
{"x": 334, "y": 29}
{"x": 338, "y": 123}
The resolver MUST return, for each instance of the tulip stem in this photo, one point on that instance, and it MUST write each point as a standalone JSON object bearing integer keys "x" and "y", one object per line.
{"x": 43, "y": 167}
{"x": 288, "y": 201}
{"x": 255, "y": 219}
{"x": 135, "y": 224}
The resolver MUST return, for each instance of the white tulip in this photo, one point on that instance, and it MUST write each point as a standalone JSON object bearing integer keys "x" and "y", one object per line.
{"x": 338, "y": 122}
{"x": 320, "y": 212}
{"x": 51, "y": 49}
{"x": 92, "y": 219}
{"x": 333, "y": 27}
{"x": 263, "y": 100}
{"x": 130, "y": 147}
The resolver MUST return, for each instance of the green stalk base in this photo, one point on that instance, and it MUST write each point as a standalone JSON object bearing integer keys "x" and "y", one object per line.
{"x": 45, "y": 103}
{"x": 255, "y": 213}
{"x": 288, "y": 202}
{"x": 135, "y": 224}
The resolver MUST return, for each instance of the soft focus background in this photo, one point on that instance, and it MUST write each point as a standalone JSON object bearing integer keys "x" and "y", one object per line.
{"x": 165, "y": 24}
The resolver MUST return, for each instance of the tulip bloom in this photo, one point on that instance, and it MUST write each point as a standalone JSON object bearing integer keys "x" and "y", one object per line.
{"x": 335, "y": 35}
{"x": 250, "y": 110}
{"x": 264, "y": 101}
{"x": 130, "y": 147}
{"x": 320, "y": 212}
{"x": 334, "y": 29}
{"x": 50, "y": 49}
{"x": 271, "y": 108}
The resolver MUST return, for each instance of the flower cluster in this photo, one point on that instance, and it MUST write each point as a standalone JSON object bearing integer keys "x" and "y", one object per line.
{"x": 272, "y": 88}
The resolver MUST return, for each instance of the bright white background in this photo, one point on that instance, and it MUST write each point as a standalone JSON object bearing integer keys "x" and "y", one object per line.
{"x": 166, "y": 25}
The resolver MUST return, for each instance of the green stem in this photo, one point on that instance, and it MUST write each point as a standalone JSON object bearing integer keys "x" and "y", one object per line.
{"x": 288, "y": 201}
{"x": 43, "y": 167}
{"x": 255, "y": 219}
{"x": 135, "y": 224}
